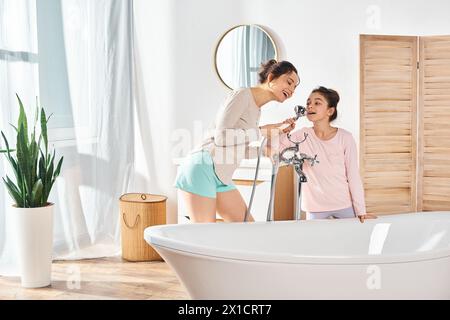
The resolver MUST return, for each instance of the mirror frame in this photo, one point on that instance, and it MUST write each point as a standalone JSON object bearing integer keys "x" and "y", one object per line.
{"x": 227, "y": 32}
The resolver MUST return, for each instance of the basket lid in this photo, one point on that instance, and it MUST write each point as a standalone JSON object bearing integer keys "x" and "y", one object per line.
{"x": 142, "y": 197}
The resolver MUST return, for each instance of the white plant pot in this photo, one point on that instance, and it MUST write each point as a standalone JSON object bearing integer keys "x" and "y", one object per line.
{"x": 34, "y": 239}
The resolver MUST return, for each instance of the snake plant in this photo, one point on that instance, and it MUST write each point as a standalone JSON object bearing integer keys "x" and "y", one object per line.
{"x": 34, "y": 170}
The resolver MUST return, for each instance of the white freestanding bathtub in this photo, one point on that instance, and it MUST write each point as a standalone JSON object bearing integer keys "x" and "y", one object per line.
{"x": 404, "y": 256}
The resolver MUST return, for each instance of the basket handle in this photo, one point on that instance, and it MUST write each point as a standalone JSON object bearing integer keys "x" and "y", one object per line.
{"x": 136, "y": 221}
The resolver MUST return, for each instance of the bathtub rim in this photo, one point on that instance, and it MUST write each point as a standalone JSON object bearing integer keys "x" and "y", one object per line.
{"x": 153, "y": 235}
{"x": 315, "y": 262}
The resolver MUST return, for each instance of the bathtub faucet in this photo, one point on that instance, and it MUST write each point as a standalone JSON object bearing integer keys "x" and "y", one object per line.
{"x": 290, "y": 156}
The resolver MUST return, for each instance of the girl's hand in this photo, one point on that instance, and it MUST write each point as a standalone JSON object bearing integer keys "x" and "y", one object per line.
{"x": 366, "y": 216}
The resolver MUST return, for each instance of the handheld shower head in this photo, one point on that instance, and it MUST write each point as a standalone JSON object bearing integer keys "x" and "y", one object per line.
{"x": 300, "y": 111}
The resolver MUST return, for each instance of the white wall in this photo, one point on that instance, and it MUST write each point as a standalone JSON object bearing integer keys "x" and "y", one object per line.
{"x": 320, "y": 37}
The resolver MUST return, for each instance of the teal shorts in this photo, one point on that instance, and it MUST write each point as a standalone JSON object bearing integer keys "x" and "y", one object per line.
{"x": 197, "y": 175}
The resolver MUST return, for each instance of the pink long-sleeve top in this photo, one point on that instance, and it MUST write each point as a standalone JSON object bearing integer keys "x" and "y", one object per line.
{"x": 335, "y": 182}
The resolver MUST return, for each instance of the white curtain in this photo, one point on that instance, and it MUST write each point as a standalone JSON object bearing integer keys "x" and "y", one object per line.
{"x": 18, "y": 74}
{"x": 98, "y": 144}
{"x": 251, "y": 47}
{"x": 260, "y": 50}
{"x": 241, "y": 60}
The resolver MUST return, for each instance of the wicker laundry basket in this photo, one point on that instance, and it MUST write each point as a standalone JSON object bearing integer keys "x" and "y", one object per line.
{"x": 137, "y": 212}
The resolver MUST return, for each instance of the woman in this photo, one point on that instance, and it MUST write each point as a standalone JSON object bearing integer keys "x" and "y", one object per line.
{"x": 204, "y": 179}
{"x": 334, "y": 187}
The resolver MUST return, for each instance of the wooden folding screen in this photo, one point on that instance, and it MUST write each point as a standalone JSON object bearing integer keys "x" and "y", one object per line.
{"x": 434, "y": 124}
{"x": 388, "y": 128}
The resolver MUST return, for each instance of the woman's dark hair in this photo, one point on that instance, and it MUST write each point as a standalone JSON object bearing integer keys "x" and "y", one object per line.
{"x": 332, "y": 98}
{"x": 275, "y": 68}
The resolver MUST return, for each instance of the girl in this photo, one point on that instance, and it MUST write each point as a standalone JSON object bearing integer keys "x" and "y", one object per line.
{"x": 334, "y": 187}
{"x": 204, "y": 179}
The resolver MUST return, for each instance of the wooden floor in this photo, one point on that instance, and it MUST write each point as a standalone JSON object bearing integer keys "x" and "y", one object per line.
{"x": 107, "y": 278}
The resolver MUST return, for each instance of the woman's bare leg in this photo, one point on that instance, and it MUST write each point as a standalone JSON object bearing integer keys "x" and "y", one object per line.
{"x": 199, "y": 209}
{"x": 231, "y": 206}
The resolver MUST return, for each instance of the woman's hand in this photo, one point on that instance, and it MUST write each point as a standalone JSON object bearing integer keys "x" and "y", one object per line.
{"x": 288, "y": 125}
{"x": 278, "y": 128}
{"x": 366, "y": 216}
{"x": 272, "y": 133}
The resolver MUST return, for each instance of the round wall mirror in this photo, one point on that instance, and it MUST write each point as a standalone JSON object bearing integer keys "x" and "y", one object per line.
{"x": 240, "y": 53}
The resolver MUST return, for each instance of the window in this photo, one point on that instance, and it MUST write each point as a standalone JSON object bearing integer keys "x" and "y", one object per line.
{"x": 44, "y": 53}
